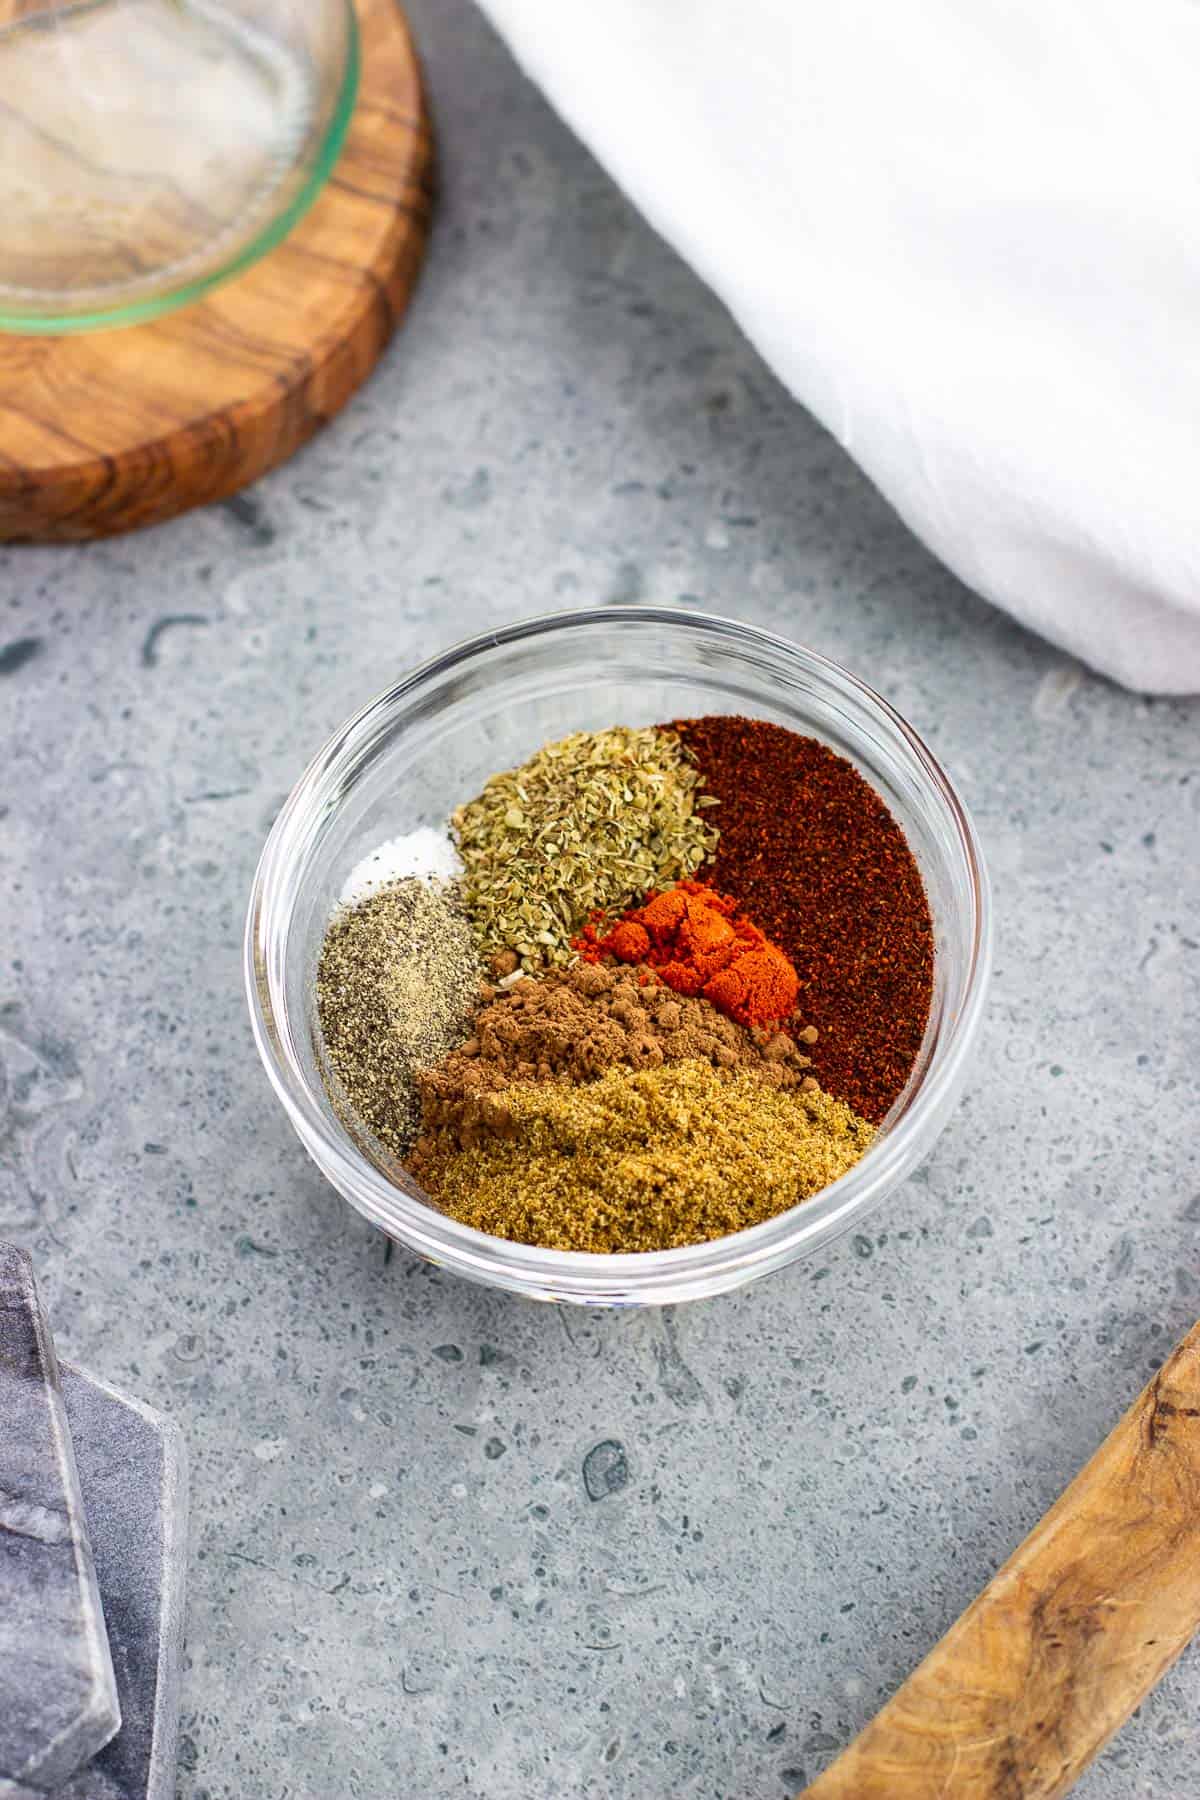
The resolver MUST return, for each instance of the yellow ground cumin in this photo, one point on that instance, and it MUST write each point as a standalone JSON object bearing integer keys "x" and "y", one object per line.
{"x": 647, "y": 1159}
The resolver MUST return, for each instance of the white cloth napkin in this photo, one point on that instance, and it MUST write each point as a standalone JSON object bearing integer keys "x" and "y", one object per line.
{"x": 966, "y": 234}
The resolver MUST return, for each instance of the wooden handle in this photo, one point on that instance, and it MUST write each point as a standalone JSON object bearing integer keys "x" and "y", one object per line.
{"x": 1073, "y": 1632}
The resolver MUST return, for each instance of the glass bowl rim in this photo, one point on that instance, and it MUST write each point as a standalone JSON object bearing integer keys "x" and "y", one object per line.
{"x": 91, "y": 317}
{"x": 582, "y": 1274}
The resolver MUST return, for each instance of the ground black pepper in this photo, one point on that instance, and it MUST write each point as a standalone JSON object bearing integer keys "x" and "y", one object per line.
{"x": 812, "y": 854}
{"x": 397, "y": 981}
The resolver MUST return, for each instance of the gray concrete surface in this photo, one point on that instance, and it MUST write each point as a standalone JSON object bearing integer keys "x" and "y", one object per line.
{"x": 402, "y": 1581}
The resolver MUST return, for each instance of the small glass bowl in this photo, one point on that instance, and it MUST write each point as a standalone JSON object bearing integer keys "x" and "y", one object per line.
{"x": 418, "y": 750}
{"x": 150, "y": 149}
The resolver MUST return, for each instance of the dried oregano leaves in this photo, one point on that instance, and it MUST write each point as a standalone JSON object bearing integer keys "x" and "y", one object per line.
{"x": 592, "y": 821}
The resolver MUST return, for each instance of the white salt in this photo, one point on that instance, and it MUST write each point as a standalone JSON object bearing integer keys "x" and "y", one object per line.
{"x": 426, "y": 852}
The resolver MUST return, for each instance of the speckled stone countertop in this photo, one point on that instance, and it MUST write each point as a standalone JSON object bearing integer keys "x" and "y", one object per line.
{"x": 444, "y": 1542}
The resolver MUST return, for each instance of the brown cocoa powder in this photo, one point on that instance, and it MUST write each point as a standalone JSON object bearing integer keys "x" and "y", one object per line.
{"x": 571, "y": 1026}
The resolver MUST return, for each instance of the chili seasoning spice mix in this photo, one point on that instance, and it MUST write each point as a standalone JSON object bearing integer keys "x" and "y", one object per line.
{"x": 818, "y": 862}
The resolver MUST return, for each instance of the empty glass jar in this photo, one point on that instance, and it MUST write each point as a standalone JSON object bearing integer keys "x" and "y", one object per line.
{"x": 149, "y": 148}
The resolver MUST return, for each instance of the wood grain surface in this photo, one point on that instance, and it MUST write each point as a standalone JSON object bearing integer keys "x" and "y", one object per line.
{"x": 1059, "y": 1649}
{"x": 110, "y": 429}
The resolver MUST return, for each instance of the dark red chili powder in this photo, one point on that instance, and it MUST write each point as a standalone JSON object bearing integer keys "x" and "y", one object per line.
{"x": 815, "y": 858}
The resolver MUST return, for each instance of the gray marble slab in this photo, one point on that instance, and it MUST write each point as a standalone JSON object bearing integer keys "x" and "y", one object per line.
{"x": 133, "y": 1473}
{"x": 58, "y": 1698}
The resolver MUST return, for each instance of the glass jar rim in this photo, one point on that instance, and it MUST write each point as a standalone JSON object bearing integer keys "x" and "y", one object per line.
{"x": 643, "y": 1277}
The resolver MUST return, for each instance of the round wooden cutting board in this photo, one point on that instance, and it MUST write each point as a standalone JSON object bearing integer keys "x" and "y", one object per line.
{"x": 104, "y": 430}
